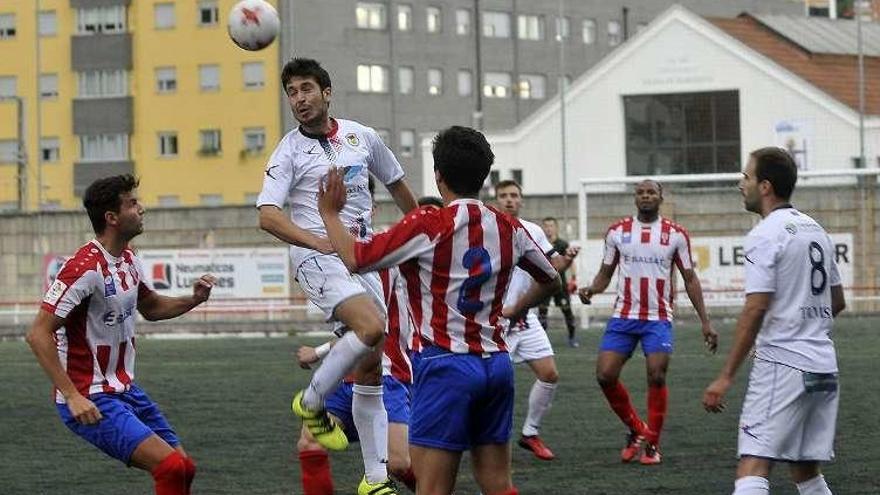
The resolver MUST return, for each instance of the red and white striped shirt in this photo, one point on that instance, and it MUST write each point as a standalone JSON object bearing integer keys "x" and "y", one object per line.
{"x": 400, "y": 338}
{"x": 97, "y": 294}
{"x": 457, "y": 263}
{"x": 644, "y": 255}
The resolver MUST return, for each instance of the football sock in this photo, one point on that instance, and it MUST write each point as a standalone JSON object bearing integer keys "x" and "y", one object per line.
{"x": 341, "y": 359}
{"x": 511, "y": 491}
{"x": 618, "y": 399}
{"x": 657, "y": 403}
{"x": 314, "y": 467}
{"x": 409, "y": 479}
{"x": 170, "y": 476}
{"x": 569, "y": 321}
{"x": 751, "y": 485}
{"x": 540, "y": 399}
{"x": 190, "y": 472}
{"x": 814, "y": 486}
{"x": 371, "y": 421}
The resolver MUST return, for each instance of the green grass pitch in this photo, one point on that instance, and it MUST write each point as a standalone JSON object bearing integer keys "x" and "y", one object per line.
{"x": 229, "y": 400}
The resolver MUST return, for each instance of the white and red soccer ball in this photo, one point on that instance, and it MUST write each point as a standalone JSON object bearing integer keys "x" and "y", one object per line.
{"x": 253, "y": 24}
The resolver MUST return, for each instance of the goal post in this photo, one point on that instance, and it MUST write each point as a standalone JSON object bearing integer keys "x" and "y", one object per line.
{"x": 710, "y": 207}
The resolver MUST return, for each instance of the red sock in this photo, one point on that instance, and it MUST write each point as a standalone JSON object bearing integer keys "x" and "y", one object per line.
{"x": 170, "y": 476}
{"x": 409, "y": 479}
{"x": 657, "y": 398}
{"x": 618, "y": 399}
{"x": 511, "y": 491}
{"x": 314, "y": 466}
{"x": 190, "y": 473}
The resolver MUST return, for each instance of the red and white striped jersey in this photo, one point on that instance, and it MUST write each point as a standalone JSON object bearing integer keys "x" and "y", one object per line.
{"x": 97, "y": 294}
{"x": 644, "y": 255}
{"x": 456, "y": 262}
{"x": 400, "y": 338}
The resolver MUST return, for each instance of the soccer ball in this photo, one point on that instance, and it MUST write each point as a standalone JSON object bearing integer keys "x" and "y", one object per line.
{"x": 253, "y": 24}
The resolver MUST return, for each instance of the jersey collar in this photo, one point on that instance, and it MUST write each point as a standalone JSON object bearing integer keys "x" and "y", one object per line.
{"x": 334, "y": 127}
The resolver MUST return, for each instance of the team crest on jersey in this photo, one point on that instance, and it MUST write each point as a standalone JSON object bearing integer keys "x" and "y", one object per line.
{"x": 626, "y": 238}
{"x": 352, "y": 139}
{"x": 791, "y": 228}
{"x": 53, "y": 295}
{"x": 109, "y": 286}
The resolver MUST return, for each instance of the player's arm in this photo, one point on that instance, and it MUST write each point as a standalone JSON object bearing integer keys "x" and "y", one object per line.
{"x": 600, "y": 282}
{"x": 695, "y": 293}
{"x": 307, "y": 355}
{"x": 154, "y": 306}
{"x": 331, "y": 200}
{"x": 838, "y": 301}
{"x": 546, "y": 280}
{"x": 747, "y": 327}
{"x": 403, "y": 196}
{"x": 274, "y": 221}
{"x": 41, "y": 340}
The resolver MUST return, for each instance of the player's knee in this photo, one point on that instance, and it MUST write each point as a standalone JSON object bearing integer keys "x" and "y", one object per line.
{"x": 657, "y": 378}
{"x": 549, "y": 376}
{"x": 173, "y": 470}
{"x": 606, "y": 378}
{"x": 371, "y": 330}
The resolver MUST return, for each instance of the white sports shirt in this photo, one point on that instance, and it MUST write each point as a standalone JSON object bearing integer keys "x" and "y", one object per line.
{"x": 645, "y": 254}
{"x": 97, "y": 293}
{"x": 299, "y": 163}
{"x": 521, "y": 280}
{"x": 790, "y": 254}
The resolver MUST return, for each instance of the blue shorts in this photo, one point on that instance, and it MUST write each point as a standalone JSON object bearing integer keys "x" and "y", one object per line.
{"x": 395, "y": 396}
{"x": 622, "y": 335}
{"x": 128, "y": 419}
{"x": 461, "y": 400}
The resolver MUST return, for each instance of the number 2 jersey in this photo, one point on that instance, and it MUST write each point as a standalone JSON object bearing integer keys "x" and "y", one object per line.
{"x": 97, "y": 294}
{"x": 790, "y": 255}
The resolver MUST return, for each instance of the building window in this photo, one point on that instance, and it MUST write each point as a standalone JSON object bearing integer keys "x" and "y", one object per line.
{"x": 435, "y": 82}
{"x": 405, "y": 80}
{"x": 517, "y": 176}
{"x": 209, "y": 140}
{"x": 103, "y": 147}
{"x": 8, "y": 151}
{"x": 163, "y": 16}
{"x": 462, "y": 22}
{"x": 166, "y": 79}
{"x": 496, "y": 85}
{"x": 433, "y": 19}
{"x": 100, "y": 20}
{"x": 407, "y": 142}
{"x": 7, "y": 26}
{"x": 48, "y": 23}
{"x": 372, "y": 79}
{"x": 50, "y": 149}
{"x": 589, "y": 31}
{"x": 48, "y": 85}
{"x": 170, "y": 200}
{"x": 254, "y": 139}
{"x": 369, "y": 15}
{"x": 209, "y": 77}
{"x": 465, "y": 83}
{"x": 615, "y": 35}
{"x": 211, "y": 199}
{"x": 531, "y": 86}
{"x": 384, "y": 135}
{"x": 563, "y": 28}
{"x": 167, "y": 144}
{"x": 684, "y": 133}
{"x": 496, "y": 25}
{"x": 404, "y": 17}
{"x": 530, "y": 27}
{"x": 252, "y": 74}
{"x": 8, "y": 86}
{"x": 102, "y": 83}
{"x": 209, "y": 13}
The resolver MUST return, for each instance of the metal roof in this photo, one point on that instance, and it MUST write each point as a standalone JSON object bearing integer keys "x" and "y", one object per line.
{"x": 823, "y": 35}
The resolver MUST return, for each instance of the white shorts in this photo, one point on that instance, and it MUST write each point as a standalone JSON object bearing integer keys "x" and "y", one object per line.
{"x": 528, "y": 342}
{"x": 328, "y": 283}
{"x": 782, "y": 420}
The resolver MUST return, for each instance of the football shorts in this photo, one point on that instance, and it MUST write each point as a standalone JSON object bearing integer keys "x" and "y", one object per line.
{"x": 528, "y": 341}
{"x": 622, "y": 336}
{"x": 395, "y": 395}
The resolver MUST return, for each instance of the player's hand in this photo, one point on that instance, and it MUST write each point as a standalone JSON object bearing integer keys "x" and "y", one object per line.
{"x": 710, "y": 337}
{"x": 202, "y": 288}
{"x": 83, "y": 410}
{"x": 713, "y": 396}
{"x": 514, "y": 314}
{"x": 572, "y": 252}
{"x": 331, "y": 192}
{"x": 586, "y": 294}
{"x": 307, "y": 357}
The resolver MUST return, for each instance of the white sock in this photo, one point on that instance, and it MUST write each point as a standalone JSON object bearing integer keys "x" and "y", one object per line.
{"x": 341, "y": 359}
{"x": 814, "y": 486}
{"x": 751, "y": 485}
{"x": 540, "y": 399}
{"x": 371, "y": 421}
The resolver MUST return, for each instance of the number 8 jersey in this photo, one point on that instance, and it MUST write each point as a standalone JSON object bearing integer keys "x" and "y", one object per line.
{"x": 791, "y": 256}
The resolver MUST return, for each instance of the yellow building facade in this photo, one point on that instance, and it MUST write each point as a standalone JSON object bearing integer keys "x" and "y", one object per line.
{"x": 150, "y": 87}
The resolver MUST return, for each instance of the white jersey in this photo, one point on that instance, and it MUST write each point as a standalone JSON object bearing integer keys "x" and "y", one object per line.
{"x": 300, "y": 162}
{"x": 97, "y": 294}
{"x": 645, "y": 254}
{"x": 790, "y": 254}
{"x": 521, "y": 280}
